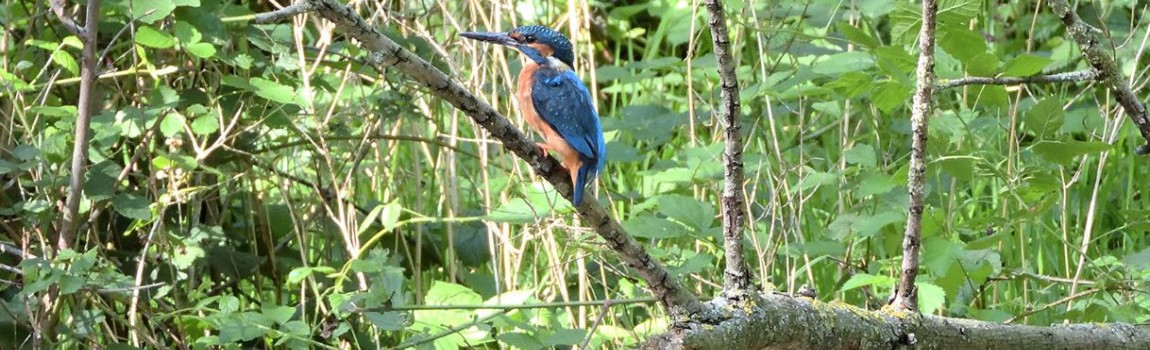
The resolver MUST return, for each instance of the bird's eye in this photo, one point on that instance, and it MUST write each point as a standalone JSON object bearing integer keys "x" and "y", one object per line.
{"x": 529, "y": 38}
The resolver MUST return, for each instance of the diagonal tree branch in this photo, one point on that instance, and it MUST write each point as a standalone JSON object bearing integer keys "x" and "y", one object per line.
{"x": 906, "y": 295}
{"x": 1094, "y": 48}
{"x": 386, "y": 53}
{"x": 736, "y": 275}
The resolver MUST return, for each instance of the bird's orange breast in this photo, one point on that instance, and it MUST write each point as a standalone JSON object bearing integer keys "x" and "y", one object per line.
{"x": 551, "y": 138}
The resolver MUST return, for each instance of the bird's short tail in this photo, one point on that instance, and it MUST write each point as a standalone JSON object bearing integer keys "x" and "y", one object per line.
{"x": 585, "y": 173}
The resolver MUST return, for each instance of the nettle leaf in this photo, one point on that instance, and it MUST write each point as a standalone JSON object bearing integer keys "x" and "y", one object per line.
{"x": 273, "y": 91}
{"x": 961, "y": 43}
{"x": 687, "y": 210}
{"x": 201, "y": 50}
{"x": 1064, "y": 152}
{"x": 387, "y": 321}
{"x": 930, "y": 297}
{"x": 132, "y": 206}
{"x": 150, "y": 37}
{"x": 959, "y": 166}
{"x": 889, "y": 95}
{"x": 982, "y": 65}
{"x": 65, "y": 60}
{"x": 1045, "y": 118}
{"x": 857, "y": 35}
{"x": 205, "y": 124}
{"x": 840, "y": 63}
{"x": 648, "y": 226}
{"x": 862, "y": 155}
{"x": 1025, "y": 65}
{"x": 866, "y": 280}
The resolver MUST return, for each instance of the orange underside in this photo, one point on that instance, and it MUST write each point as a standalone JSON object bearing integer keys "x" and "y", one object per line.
{"x": 552, "y": 141}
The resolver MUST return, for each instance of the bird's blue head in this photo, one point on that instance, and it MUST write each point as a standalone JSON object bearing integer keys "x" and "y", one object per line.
{"x": 532, "y": 40}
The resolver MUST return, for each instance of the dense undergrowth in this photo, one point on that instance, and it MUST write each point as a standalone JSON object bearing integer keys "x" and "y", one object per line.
{"x": 257, "y": 186}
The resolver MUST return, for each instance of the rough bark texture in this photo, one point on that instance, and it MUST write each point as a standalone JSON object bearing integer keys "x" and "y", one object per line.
{"x": 736, "y": 276}
{"x": 387, "y": 54}
{"x": 905, "y": 294}
{"x": 782, "y": 322}
{"x": 1095, "y": 49}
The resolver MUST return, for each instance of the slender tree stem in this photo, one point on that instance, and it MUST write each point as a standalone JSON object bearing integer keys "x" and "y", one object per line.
{"x": 70, "y": 218}
{"x": 736, "y": 276}
{"x": 905, "y": 296}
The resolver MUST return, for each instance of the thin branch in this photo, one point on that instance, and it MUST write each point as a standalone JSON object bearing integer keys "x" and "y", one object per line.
{"x": 736, "y": 276}
{"x": 88, "y": 67}
{"x": 1094, "y": 49}
{"x": 1082, "y": 75}
{"x": 65, "y": 19}
{"x": 387, "y": 54}
{"x": 906, "y": 295}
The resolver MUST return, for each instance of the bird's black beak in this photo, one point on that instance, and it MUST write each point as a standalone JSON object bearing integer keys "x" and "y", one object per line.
{"x": 498, "y": 38}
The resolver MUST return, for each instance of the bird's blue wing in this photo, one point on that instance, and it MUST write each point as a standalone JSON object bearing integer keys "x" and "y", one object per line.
{"x": 564, "y": 103}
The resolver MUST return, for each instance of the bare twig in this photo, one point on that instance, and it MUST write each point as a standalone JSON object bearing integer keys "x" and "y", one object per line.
{"x": 65, "y": 19}
{"x": 736, "y": 276}
{"x": 386, "y": 53}
{"x": 88, "y": 36}
{"x": 1094, "y": 49}
{"x": 906, "y": 295}
{"x": 1082, "y": 75}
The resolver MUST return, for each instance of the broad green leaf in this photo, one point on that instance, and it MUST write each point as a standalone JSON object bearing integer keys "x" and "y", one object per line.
{"x": 961, "y": 167}
{"x": 279, "y": 314}
{"x": 387, "y": 321}
{"x": 1025, "y": 65}
{"x": 687, "y": 210}
{"x": 982, "y": 65}
{"x": 298, "y": 274}
{"x": 65, "y": 60}
{"x": 814, "y": 180}
{"x": 865, "y": 280}
{"x": 1140, "y": 260}
{"x": 889, "y": 95}
{"x": 1045, "y": 117}
{"x": 205, "y": 124}
{"x": 856, "y": 35}
{"x": 862, "y": 155}
{"x": 565, "y": 337}
{"x": 183, "y": 257}
{"x": 1064, "y": 152}
{"x": 962, "y": 43}
{"x": 172, "y": 124}
{"x": 852, "y": 61}
{"x": 446, "y": 294}
{"x": 150, "y": 37}
{"x": 149, "y": 11}
{"x": 851, "y": 84}
{"x": 132, "y": 206}
{"x": 930, "y": 297}
{"x": 517, "y": 210}
{"x": 647, "y": 226}
{"x": 273, "y": 91}
{"x": 520, "y": 340}
{"x": 201, "y": 50}
{"x": 186, "y": 33}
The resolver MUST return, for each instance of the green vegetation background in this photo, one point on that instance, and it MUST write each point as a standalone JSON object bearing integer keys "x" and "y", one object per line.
{"x": 257, "y": 186}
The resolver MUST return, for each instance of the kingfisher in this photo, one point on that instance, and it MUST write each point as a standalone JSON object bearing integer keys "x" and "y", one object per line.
{"x": 555, "y": 102}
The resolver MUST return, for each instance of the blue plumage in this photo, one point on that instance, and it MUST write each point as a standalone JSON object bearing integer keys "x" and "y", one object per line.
{"x": 560, "y": 105}
{"x": 564, "y": 103}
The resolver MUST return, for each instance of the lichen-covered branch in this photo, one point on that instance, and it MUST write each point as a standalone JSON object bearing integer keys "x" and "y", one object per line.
{"x": 1095, "y": 49}
{"x": 783, "y": 322}
{"x": 1068, "y": 77}
{"x": 906, "y": 294}
{"x": 387, "y": 54}
{"x": 736, "y": 275}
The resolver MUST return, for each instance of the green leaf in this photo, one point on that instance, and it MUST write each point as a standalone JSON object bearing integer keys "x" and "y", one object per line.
{"x": 186, "y": 33}
{"x": 444, "y": 293}
{"x": 387, "y": 321}
{"x": 183, "y": 257}
{"x": 961, "y": 167}
{"x": 857, "y": 35}
{"x": 647, "y": 226}
{"x": 982, "y": 65}
{"x": 66, "y": 61}
{"x": 930, "y": 297}
{"x": 866, "y": 280}
{"x": 814, "y": 180}
{"x": 132, "y": 206}
{"x": 687, "y": 210}
{"x": 520, "y": 340}
{"x": 1064, "y": 152}
{"x": 149, "y": 11}
{"x": 1140, "y": 260}
{"x": 962, "y": 43}
{"x": 201, "y": 50}
{"x": 565, "y": 337}
{"x": 172, "y": 124}
{"x": 273, "y": 91}
{"x": 150, "y": 37}
{"x": 517, "y": 211}
{"x": 279, "y": 314}
{"x": 889, "y": 95}
{"x": 1045, "y": 118}
{"x": 862, "y": 155}
{"x": 205, "y": 124}
{"x": 1025, "y": 65}
{"x": 840, "y": 63}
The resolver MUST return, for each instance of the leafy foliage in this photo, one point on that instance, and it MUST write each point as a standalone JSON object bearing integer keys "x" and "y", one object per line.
{"x": 259, "y": 186}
